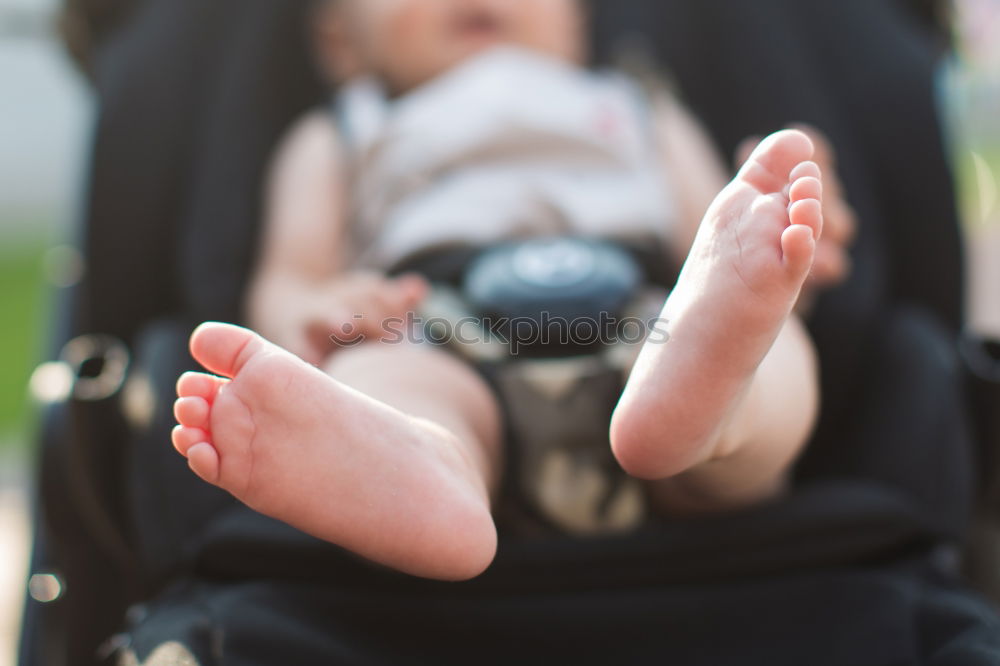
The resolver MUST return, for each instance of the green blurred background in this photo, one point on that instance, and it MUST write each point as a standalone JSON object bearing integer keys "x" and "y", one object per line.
{"x": 45, "y": 111}
{"x": 24, "y": 313}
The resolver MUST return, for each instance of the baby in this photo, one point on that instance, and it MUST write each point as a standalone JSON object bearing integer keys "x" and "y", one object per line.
{"x": 393, "y": 451}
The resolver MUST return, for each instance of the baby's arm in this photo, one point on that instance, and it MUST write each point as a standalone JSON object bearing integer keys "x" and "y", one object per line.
{"x": 302, "y": 295}
{"x": 304, "y": 227}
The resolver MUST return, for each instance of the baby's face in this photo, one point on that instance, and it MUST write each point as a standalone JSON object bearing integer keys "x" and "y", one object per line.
{"x": 409, "y": 42}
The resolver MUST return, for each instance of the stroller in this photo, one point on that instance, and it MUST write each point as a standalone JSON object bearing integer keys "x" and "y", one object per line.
{"x": 861, "y": 563}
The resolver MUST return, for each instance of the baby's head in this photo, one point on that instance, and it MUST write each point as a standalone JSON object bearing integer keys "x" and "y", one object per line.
{"x": 409, "y": 42}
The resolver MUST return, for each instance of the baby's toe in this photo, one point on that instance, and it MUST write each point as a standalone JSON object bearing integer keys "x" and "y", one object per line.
{"x": 770, "y": 165}
{"x": 199, "y": 385}
{"x": 192, "y": 412}
{"x": 807, "y": 213}
{"x": 224, "y": 349}
{"x": 184, "y": 438}
{"x": 203, "y": 460}
{"x": 807, "y": 169}
{"x": 798, "y": 248}
{"x": 807, "y": 187}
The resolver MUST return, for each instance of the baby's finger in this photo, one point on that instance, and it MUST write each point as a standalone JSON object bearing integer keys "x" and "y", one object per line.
{"x": 841, "y": 222}
{"x": 745, "y": 149}
{"x": 387, "y": 302}
{"x": 335, "y": 326}
{"x": 399, "y": 297}
{"x": 414, "y": 288}
{"x": 824, "y": 153}
{"x": 831, "y": 265}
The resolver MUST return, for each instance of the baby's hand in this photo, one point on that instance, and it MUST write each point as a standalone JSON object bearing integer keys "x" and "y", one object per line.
{"x": 832, "y": 264}
{"x": 362, "y": 307}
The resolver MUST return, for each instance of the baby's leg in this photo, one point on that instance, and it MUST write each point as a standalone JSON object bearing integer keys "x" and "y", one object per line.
{"x": 404, "y": 484}
{"x": 723, "y": 406}
{"x": 434, "y": 386}
{"x": 761, "y": 438}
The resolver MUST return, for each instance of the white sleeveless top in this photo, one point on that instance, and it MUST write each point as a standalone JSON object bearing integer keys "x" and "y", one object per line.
{"x": 511, "y": 144}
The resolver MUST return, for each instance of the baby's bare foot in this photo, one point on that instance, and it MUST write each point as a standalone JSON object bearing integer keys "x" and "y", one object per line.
{"x": 294, "y": 444}
{"x": 742, "y": 278}
{"x": 832, "y": 263}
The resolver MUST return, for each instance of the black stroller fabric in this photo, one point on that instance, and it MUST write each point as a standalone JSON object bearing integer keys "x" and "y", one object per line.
{"x": 857, "y": 566}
